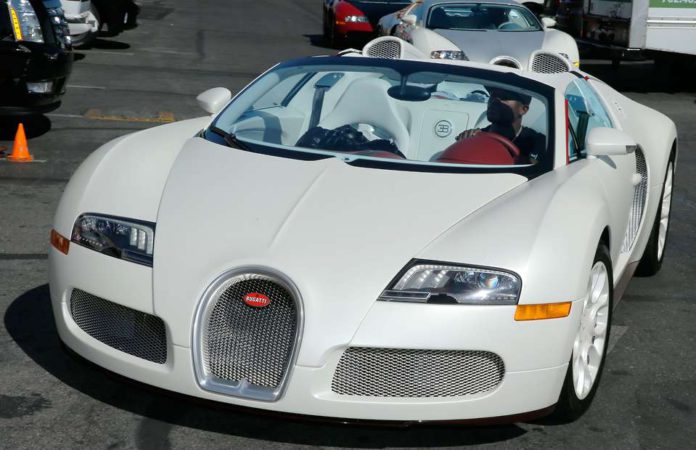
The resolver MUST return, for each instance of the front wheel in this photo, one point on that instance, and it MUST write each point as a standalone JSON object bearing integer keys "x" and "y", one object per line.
{"x": 590, "y": 344}
{"x": 654, "y": 254}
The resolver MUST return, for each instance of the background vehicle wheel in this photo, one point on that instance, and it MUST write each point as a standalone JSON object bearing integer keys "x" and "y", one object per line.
{"x": 591, "y": 339}
{"x": 654, "y": 253}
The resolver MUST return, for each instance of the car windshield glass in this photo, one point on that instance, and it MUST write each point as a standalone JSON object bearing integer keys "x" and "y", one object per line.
{"x": 482, "y": 16}
{"x": 393, "y": 111}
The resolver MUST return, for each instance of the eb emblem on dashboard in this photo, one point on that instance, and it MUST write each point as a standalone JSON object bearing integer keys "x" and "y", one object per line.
{"x": 443, "y": 128}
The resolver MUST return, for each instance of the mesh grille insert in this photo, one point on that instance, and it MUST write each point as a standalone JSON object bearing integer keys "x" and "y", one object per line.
{"x": 385, "y": 372}
{"x": 637, "y": 208}
{"x": 548, "y": 63}
{"x": 385, "y": 49}
{"x": 125, "y": 329}
{"x": 241, "y": 342}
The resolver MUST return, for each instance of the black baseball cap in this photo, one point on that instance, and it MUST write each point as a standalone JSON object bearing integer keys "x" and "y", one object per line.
{"x": 508, "y": 94}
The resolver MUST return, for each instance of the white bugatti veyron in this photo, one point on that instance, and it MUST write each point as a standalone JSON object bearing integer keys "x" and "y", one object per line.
{"x": 369, "y": 238}
{"x": 502, "y": 32}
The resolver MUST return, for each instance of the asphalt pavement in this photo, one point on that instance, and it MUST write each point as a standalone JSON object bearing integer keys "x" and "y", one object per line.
{"x": 151, "y": 75}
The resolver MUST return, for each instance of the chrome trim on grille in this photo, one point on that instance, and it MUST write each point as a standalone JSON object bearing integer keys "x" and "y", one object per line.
{"x": 205, "y": 307}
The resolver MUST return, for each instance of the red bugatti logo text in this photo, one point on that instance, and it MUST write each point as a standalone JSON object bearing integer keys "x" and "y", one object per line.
{"x": 257, "y": 300}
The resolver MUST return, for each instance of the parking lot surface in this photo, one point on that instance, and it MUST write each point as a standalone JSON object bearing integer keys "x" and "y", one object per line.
{"x": 151, "y": 75}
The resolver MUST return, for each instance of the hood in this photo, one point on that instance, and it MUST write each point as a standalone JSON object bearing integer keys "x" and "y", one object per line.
{"x": 482, "y": 46}
{"x": 375, "y": 9}
{"x": 339, "y": 232}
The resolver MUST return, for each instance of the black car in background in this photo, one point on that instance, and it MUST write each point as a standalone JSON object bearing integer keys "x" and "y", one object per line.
{"x": 35, "y": 56}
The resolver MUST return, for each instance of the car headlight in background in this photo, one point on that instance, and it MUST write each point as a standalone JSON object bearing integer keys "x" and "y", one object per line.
{"x": 448, "y": 54}
{"x": 426, "y": 282}
{"x": 355, "y": 19}
{"x": 128, "y": 239}
{"x": 25, "y": 23}
{"x": 40, "y": 87}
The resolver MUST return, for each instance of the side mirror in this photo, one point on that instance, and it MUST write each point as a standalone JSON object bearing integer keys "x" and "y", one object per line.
{"x": 214, "y": 99}
{"x": 548, "y": 22}
{"x": 409, "y": 19}
{"x": 609, "y": 141}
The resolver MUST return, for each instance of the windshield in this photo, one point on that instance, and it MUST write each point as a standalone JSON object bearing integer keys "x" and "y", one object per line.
{"x": 482, "y": 16}
{"x": 401, "y": 113}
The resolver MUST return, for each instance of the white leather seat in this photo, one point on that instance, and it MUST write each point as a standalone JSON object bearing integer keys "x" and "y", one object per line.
{"x": 366, "y": 101}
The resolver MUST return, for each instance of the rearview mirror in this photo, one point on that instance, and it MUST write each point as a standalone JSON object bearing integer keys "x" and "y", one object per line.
{"x": 214, "y": 99}
{"x": 609, "y": 141}
{"x": 409, "y": 19}
{"x": 548, "y": 22}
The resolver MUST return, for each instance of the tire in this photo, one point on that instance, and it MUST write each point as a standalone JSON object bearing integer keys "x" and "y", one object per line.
{"x": 654, "y": 253}
{"x": 325, "y": 28}
{"x": 590, "y": 344}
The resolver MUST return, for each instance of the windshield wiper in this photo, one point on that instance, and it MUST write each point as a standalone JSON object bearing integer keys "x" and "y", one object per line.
{"x": 230, "y": 138}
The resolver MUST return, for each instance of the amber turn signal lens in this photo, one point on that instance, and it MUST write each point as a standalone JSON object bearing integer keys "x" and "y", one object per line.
{"x": 543, "y": 311}
{"x": 60, "y": 242}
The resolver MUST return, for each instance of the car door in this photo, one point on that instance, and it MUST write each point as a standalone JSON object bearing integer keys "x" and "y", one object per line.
{"x": 615, "y": 174}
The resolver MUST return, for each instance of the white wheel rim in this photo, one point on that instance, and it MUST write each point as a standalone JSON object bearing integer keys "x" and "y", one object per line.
{"x": 664, "y": 212}
{"x": 588, "y": 348}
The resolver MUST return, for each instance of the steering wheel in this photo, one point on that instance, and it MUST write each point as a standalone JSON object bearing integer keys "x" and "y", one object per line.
{"x": 510, "y": 146}
{"x": 480, "y": 91}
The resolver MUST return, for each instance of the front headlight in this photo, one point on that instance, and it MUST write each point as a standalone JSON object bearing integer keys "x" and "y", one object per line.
{"x": 427, "y": 282}
{"x": 25, "y": 23}
{"x": 448, "y": 54}
{"x": 356, "y": 19}
{"x": 128, "y": 239}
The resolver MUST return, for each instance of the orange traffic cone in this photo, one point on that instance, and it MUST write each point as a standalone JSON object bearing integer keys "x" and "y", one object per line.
{"x": 20, "y": 149}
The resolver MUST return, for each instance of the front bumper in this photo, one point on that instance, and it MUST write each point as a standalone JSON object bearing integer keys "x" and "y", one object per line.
{"x": 28, "y": 63}
{"x": 535, "y": 353}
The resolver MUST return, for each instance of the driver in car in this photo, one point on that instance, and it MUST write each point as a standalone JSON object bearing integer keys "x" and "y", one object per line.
{"x": 505, "y": 111}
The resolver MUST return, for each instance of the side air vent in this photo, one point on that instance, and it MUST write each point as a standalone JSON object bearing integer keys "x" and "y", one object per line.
{"x": 640, "y": 192}
{"x": 549, "y": 62}
{"x": 386, "y": 47}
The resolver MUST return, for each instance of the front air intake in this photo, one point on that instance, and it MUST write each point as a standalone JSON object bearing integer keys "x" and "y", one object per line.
{"x": 125, "y": 329}
{"x": 549, "y": 62}
{"x": 407, "y": 373}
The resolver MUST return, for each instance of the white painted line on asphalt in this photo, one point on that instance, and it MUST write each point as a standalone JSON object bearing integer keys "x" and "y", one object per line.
{"x": 72, "y": 116}
{"x": 168, "y": 51}
{"x": 616, "y": 332}
{"x": 79, "y": 86}
{"x": 109, "y": 53}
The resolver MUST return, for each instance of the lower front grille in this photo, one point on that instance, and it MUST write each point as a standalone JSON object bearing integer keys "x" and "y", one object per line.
{"x": 388, "y": 372}
{"x": 125, "y": 329}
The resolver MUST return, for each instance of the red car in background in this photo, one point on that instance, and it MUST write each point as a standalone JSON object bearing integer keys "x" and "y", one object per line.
{"x": 355, "y": 19}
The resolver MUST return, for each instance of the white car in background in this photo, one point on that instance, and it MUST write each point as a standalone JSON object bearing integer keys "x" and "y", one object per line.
{"x": 501, "y": 32}
{"x": 387, "y": 24}
{"x": 82, "y": 21}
